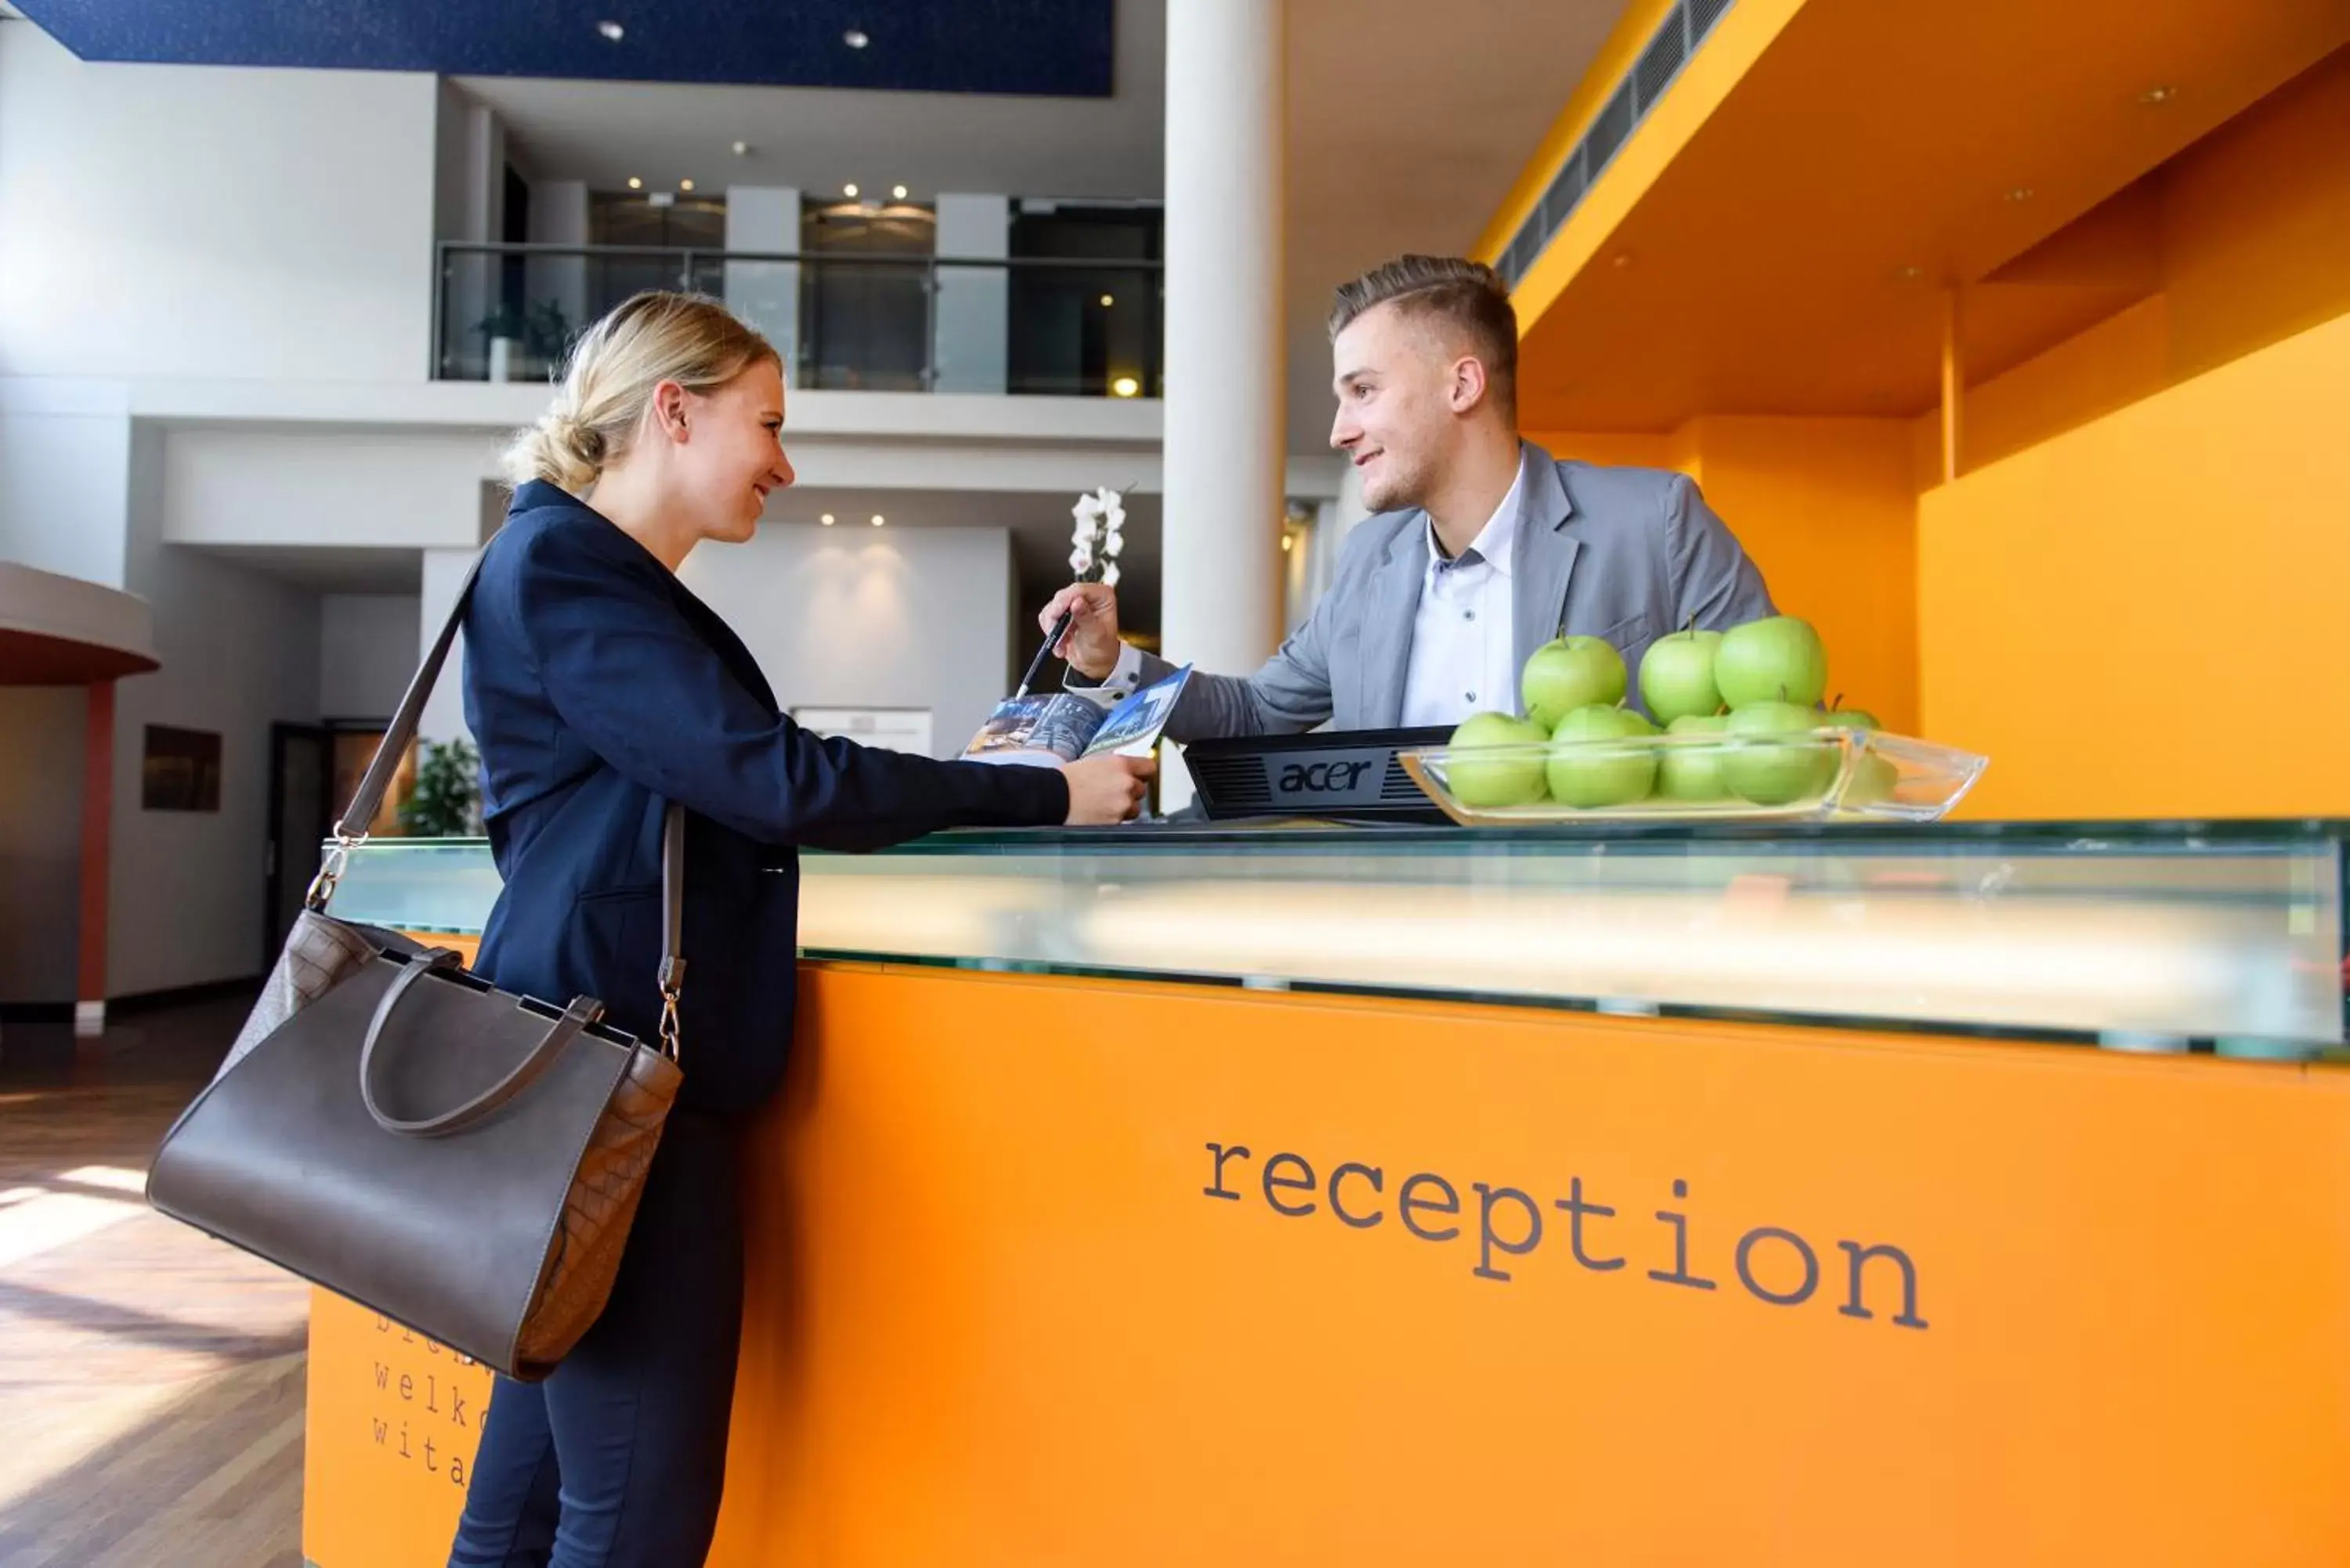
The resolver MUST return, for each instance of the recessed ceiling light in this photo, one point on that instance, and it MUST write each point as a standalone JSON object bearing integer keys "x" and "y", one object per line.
{"x": 855, "y": 38}
{"x": 2020, "y": 193}
{"x": 1909, "y": 273}
{"x": 635, "y": 183}
{"x": 826, "y": 519}
{"x": 685, "y": 185}
{"x": 1108, "y": 300}
{"x": 741, "y": 149}
{"x": 849, "y": 189}
{"x": 612, "y": 31}
{"x": 1126, "y": 386}
{"x": 899, "y": 191}
{"x": 2158, "y": 95}
{"x": 877, "y": 520}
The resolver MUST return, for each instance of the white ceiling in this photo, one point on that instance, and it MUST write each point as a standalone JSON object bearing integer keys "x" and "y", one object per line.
{"x": 328, "y": 570}
{"x": 1407, "y": 124}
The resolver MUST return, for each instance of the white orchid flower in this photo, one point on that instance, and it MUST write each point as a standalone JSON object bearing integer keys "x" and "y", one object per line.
{"x": 1099, "y": 534}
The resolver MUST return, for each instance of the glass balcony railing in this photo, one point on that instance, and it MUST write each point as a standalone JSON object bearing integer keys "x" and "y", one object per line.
{"x": 864, "y": 322}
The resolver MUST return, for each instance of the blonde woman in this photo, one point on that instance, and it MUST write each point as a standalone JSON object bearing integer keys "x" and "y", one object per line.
{"x": 600, "y": 689}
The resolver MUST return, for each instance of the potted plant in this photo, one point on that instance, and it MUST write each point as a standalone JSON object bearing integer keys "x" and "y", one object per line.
{"x": 447, "y": 800}
{"x": 504, "y": 330}
{"x": 547, "y": 332}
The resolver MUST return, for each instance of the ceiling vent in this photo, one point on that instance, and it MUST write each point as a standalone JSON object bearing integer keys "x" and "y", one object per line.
{"x": 1676, "y": 36}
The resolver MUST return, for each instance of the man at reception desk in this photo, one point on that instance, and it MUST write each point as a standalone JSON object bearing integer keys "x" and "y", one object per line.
{"x": 1483, "y": 546}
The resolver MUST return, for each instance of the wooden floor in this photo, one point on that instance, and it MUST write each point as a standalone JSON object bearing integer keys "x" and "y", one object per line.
{"x": 150, "y": 1379}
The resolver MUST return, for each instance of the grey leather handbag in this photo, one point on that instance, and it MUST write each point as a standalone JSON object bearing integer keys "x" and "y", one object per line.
{"x": 464, "y": 1161}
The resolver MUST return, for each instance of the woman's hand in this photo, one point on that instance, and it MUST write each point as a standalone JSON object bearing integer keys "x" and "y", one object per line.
{"x": 1107, "y": 789}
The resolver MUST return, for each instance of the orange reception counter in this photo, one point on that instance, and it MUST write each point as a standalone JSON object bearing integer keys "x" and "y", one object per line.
{"x": 1954, "y": 1195}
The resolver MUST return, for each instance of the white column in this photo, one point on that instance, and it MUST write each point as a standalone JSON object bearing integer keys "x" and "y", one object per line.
{"x": 444, "y": 711}
{"x": 766, "y": 294}
{"x": 972, "y": 334}
{"x": 1224, "y": 429}
{"x": 481, "y": 218}
{"x": 558, "y": 216}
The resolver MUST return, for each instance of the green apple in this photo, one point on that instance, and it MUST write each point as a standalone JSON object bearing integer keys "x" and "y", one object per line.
{"x": 1692, "y": 772}
{"x": 1567, "y": 673}
{"x": 1677, "y": 676}
{"x": 1501, "y": 780}
{"x": 1781, "y": 659}
{"x": 1843, "y": 718}
{"x": 1586, "y": 771}
{"x": 1777, "y": 772}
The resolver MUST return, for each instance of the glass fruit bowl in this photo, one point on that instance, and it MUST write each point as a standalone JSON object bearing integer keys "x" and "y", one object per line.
{"x": 1828, "y": 774}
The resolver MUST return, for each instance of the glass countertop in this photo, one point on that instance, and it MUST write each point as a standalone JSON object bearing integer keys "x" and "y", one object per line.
{"x": 2219, "y": 936}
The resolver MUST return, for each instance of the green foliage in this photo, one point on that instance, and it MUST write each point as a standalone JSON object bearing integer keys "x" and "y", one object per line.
{"x": 447, "y": 800}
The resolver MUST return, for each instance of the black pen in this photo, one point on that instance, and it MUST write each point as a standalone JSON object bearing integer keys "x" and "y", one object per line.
{"x": 1052, "y": 640}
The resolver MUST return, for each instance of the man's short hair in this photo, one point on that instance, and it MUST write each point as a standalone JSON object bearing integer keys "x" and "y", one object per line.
{"x": 1467, "y": 295}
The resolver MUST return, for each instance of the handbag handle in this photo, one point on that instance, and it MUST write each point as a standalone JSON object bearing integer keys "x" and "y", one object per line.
{"x": 583, "y": 1010}
{"x": 351, "y": 828}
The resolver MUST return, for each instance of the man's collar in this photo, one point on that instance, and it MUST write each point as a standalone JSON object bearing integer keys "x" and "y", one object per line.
{"x": 1496, "y": 542}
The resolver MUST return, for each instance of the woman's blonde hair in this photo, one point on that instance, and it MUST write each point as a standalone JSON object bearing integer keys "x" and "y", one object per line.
{"x": 610, "y": 374}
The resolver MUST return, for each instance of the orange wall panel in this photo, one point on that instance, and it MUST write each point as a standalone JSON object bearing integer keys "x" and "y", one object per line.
{"x": 1006, "y": 1306}
{"x": 1828, "y": 510}
{"x": 2112, "y": 365}
{"x": 2249, "y": 242}
{"x": 2142, "y": 617}
{"x": 1629, "y": 449}
{"x": 2256, "y": 224}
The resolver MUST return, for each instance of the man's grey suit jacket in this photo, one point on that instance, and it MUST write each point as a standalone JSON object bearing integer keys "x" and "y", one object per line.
{"x": 1624, "y": 554}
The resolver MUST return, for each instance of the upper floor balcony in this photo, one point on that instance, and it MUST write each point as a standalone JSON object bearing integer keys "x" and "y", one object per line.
{"x": 1024, "y": 326}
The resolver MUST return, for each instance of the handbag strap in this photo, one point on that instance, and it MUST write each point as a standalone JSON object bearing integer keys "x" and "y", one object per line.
{"x": 672, "y": 963}
{"x": 583, "y": 1010}
{"x": 351, "y": 828}
{"x": 367, "y": 799}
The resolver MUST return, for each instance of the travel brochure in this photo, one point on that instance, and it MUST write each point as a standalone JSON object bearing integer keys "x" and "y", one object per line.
{"x": 1051, "y": 728}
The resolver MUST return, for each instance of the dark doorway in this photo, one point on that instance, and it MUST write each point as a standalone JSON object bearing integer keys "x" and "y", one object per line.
{"x": 301, "y": 815}
{"x": 1089, "y": 330}
{"x": 313, "y": 769}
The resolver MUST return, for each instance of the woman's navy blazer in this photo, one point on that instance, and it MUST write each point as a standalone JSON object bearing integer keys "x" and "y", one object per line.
{"x": 598, "y": 688}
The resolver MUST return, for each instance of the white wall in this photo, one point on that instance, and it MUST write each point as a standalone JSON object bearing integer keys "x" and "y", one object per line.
{"x": 239, "y": 487}
{"x": 444, "y": 718}
{"x": 61, "y": 486}
{"x": 453, "y": 149}
{"x": 367, "y": 651}
{"x": 860, "y": 617}
{"x": 240, "y": 652}
{"x": 213, "y": 221}
{"x": 41, "y": 738}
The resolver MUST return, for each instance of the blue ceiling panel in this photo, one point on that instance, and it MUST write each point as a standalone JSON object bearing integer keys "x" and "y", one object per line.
{"x": 1057, "y": 48}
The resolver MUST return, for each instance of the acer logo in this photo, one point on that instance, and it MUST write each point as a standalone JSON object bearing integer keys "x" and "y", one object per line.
{"x": 1319, "y": 776}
